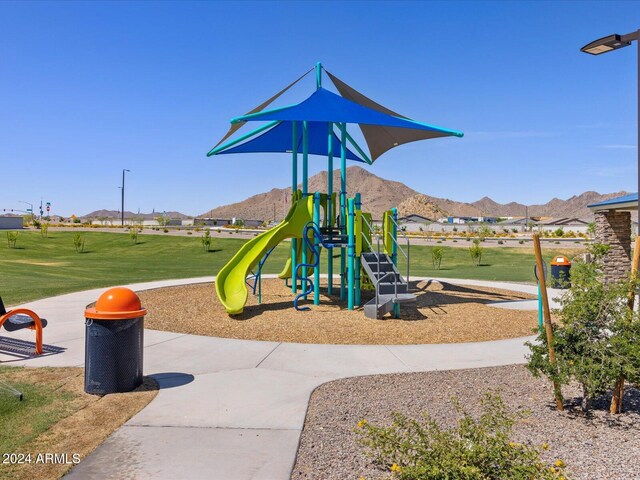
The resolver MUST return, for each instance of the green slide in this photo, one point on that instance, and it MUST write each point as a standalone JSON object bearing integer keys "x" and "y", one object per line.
{"x": 230, "y": 281}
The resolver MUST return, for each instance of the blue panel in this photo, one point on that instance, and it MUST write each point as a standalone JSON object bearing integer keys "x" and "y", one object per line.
{"x": 278, "y": 139}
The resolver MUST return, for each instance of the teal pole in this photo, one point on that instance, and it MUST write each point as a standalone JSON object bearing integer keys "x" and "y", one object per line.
{"x": 358, "y": 206}
{"x": 318, "y": 75}
{"x": 305, "y": 180}
{"x": 329, "y": 212}
{"x": 539, "y": 309}
{"x": 352, "y": 253}
{"x": 305, "y": 157}
{"x": 294, "y": 187}
{"x": 316, "y": 242}
{"x": 343, "y": 206}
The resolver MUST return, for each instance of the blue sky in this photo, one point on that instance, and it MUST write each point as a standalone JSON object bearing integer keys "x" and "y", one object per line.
{"x": 91, "y": 88}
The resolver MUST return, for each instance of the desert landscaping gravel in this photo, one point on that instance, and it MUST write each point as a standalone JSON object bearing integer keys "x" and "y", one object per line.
{"x": 444, "y": 313}
{"x": 594, "y": 447}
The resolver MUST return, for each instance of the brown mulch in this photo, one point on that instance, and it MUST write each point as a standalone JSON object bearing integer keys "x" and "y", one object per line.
{"x": 94, "y": 418}
{"x": 443, "y": 313}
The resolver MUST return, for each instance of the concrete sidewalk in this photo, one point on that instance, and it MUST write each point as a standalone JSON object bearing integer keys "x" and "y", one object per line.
{"x": 233, "y": 409}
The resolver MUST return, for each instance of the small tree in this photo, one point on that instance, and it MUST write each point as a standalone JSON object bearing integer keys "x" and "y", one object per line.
{"x": 12, "y": 238}
{"x": 206, "y": 240}
{"x": 597, "y": 339}
{"x": 133, "y": 235}
{"x": 44, "y": 230}
{"x": 483, "y": 232}
{"x": 591, "y": 229}
{"x": 476, "y": 251}
{"x": 436, "y": 257}
{"x": 78, "y": 242}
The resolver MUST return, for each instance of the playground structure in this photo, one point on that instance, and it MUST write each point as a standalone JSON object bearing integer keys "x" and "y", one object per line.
{"x": 326, "y": 220}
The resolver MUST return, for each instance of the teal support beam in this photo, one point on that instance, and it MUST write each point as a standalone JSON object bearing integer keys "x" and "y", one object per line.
{"x": 357, "y": 266}
{"x": 329, "y": 212}
{"x": 316, "y": 242}
{"x": 243, "y": 137}
{"x": 305, "y": 158}
{"x": 343, "y": 206}
{"x": 364, "y": 156}
{"x": 294, "y": 187}
{"x": 352, "y": 253}
{"x": 305, "y": 186}
{"x": 318, "y": 75}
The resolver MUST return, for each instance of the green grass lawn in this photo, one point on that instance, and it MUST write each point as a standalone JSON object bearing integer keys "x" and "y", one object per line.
{"x": 42, "y": 267}
{"x": 44, "y": 404}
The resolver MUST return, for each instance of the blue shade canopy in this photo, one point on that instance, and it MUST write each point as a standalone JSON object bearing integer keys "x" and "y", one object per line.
{"x": 279, "y": 139}
{"x": 325, "y": 106}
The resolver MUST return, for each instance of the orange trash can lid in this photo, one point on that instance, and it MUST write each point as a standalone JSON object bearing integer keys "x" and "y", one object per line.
{"x": 117, "y": 303}
{"x": 561, "y": 260}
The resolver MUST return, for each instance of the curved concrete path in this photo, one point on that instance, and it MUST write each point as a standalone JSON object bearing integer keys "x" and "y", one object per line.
{"x": 233, "y": 409}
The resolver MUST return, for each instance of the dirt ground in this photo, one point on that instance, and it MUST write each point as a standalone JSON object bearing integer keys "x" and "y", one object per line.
{"x": 94, "y": 419}
{"x": 443, "y": 313}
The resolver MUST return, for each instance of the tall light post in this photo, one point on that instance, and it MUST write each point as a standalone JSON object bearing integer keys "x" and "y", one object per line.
{"x": 122, "y": 204}
{"x": 615, "y": 42}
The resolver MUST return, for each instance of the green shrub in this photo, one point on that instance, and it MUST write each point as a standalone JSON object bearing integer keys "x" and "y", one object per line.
{"x": 559, "y": 232}
{"x": 521, "y": 242}
{"x": 12, "y": 238}
{"x": 500, "y": 242}
{"x": 436, "y": 257}
{"x": 189, "y": 233}
{"x": 476, "y": 449}
{"x": 596, "y": 340}
{"x": 165, "y": 230}
{"x": 206, "y": 240}
{"x": 78, "y": 242}
{"x": 476, "y": 251}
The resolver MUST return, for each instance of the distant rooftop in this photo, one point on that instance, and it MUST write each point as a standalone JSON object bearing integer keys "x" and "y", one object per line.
{"x": 626, "y": 202}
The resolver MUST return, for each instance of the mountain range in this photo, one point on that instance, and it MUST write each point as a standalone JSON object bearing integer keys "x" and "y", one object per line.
{"x": 379, "y": 194}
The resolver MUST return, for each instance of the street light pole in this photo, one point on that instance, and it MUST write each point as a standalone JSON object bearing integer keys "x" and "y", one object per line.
{"x": 122, "y": 204}
{"x": 615, "y": 42}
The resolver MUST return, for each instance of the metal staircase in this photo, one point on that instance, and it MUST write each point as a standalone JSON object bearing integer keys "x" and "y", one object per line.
{"x": 390, "y": 287}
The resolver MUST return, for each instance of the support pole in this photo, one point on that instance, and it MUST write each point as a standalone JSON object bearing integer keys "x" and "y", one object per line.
{"x": 294, "y": 187}
{"x": 305, "y": 180}
{"x": 547, "y": 318}
{"x": 343, "y": 205}
{"x": 357, "y": 266}
{"x": 316, "y": 243}
{"x": 618, "y": 390}
{"x": 329, "y": 212}
{"x": 318, "y": 76}
{"x": 352, "y": 252}
{"x": 305, "y": 158}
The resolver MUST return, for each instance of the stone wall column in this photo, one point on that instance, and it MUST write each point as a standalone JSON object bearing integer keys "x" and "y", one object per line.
{"x": 614, "y": 229}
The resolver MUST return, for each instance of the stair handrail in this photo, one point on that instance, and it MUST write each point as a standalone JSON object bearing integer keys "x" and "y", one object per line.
{"x": 377, "y": 281}
{"x": 406, "y": 254}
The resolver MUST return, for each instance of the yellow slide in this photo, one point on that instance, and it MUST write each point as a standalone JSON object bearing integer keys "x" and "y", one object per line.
{"x": 230, "y": 281}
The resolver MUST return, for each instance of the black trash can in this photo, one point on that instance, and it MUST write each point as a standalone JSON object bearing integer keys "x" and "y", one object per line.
{"x": 560, "y": 272}
{"x": 114, "y": 340}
